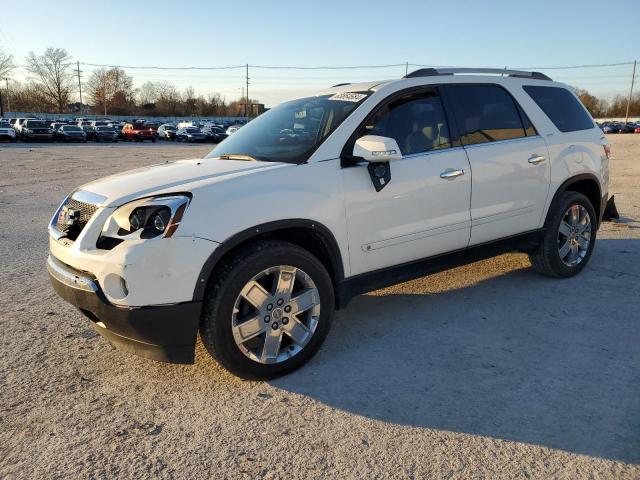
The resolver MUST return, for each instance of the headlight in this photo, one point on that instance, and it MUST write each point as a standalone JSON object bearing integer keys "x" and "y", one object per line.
{"x": 147, "y": 218}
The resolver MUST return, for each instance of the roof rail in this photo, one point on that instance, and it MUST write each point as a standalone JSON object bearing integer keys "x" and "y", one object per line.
{"x": 432, "y": 72}
{"x": 340, "y": 85}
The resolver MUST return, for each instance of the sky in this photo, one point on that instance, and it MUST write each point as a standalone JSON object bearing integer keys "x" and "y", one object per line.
{"x": 329, "y": 33}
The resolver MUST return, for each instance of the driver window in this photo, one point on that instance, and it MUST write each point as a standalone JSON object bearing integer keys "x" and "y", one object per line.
{"x": 416, "y": 121}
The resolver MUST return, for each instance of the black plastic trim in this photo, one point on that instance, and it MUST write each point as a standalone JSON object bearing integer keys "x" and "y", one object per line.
{"x": 385, "y": 277}
{"x": 165, "y": 333}
{"x": 265, "y": 228}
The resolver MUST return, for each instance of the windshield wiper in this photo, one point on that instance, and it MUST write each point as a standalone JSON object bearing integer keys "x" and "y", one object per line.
{"x": 238, "y": 156}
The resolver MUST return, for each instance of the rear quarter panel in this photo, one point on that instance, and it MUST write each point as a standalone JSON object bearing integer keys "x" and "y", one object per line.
{"x": 571, "y": 153}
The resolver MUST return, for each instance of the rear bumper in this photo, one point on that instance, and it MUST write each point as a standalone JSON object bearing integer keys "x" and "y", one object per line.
{"x": 166, "y": 333}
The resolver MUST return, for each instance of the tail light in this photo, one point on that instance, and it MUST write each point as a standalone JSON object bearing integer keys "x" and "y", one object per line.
{"x": 607, "y": 150}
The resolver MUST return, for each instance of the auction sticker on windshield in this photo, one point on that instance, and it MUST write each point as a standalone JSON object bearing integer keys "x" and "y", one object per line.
{"x": 348, "y": 96}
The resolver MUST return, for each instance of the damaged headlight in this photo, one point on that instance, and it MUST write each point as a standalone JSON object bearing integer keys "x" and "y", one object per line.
{"x": 147, "y": 218}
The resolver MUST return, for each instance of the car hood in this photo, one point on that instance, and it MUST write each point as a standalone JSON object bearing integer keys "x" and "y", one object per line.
{"x": 171, "y": 177}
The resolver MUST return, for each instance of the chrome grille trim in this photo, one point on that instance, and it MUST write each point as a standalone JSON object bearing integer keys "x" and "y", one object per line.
{"x": 70, "y": 277}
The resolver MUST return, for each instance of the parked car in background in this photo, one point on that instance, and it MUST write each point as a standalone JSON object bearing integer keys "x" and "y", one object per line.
{"x": 87, "y": 128}
{"x": 214, "y": 133}
{"x": 138, "y": 132}
{"x": 7, "y": 133}
{"x": 71, "y": 133}
{"x": 105, "y": 134}
{"x": 55, "y": 126}
{"x": 190, "y": 134}
{"x": 608, "y": 127}
{"x": 117, "y": 127}
{"x": 36, "y": 130}
{"x": 166, "y": 131}
{"x": 233, "y": 129}
{"x": 627, "y": 127}
{"x": 152, "y": 125}
{"x": 18, "y": 124}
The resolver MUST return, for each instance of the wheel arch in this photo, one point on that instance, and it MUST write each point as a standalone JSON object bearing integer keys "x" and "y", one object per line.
{"x": 307, "y": 234}
{"x": 586, "y": 184}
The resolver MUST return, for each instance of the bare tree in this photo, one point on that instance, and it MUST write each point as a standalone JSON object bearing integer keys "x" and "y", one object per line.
{"x": 51, "y": 72}
{"x": 148, "y": 93}
{"x": 109, "y": 87}
{"x": 6, "y": 65}
{"x": 189, "y": 100}
{"x": 168, "y": 98}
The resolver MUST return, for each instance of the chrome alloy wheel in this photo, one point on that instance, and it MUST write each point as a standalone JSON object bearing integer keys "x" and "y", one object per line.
{"x": 574, "y": 235}
{"x": 276, "y": 314}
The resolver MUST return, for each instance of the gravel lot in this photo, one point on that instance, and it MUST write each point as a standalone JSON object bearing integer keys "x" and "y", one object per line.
{"x": 485, "y": 371}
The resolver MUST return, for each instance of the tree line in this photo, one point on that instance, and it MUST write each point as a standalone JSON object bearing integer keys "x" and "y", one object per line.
{"x": 51, "y": 86}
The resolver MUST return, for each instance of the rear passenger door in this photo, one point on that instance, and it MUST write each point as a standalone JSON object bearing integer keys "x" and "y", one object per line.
{"x": 509, "y": 161}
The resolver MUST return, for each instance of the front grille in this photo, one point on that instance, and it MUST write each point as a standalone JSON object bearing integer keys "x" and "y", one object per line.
{"x": 86, "y": 212}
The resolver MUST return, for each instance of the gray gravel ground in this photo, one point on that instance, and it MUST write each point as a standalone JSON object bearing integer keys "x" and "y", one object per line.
{"x": 486, "y": 371}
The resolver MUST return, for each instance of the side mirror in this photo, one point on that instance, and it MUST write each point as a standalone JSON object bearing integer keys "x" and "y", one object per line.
{"x": 378, "y": 151}
{"x": 374, "y": 148}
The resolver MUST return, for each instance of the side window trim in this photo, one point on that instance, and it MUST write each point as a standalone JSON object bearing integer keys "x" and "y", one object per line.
{"x": 446, "y": 95}
{"x": 348, "y": 146}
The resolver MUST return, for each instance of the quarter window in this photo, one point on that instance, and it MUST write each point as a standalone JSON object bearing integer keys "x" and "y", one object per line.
{"x": 487, "y": 113}
{"x": 562, "y": 107}
{"x": 416, "y": 121}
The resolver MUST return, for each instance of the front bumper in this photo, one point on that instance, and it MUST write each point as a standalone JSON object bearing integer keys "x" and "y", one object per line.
{"x": 165, "y": 333}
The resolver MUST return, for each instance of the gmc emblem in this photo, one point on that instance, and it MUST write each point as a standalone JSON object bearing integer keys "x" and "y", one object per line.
{"x": 68, "y": 216}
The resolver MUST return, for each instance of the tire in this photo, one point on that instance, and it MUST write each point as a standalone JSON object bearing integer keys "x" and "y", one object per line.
{"x": 223, "y": 299}
{"x": 548, "y": 259}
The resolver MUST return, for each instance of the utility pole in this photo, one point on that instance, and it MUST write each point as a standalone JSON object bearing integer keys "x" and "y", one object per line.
{"x": 406, "y": 69}
{"x": 246, "y": 103}
{"x": 6, "y": 83}
{"x": 633, "y": 78}
{"x": 80, "y": 89}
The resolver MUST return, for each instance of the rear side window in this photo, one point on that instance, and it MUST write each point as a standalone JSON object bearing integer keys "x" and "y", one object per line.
{"x": 562, "y": 108}
{"x": 487, "y": 113}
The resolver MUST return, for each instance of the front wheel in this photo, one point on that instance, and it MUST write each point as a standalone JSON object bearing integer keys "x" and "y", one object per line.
{"x": 268, "y": 310}
{"x": 569, "y": 237}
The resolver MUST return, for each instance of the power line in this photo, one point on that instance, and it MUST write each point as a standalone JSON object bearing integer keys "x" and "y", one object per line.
{"x": 326, "y": 67}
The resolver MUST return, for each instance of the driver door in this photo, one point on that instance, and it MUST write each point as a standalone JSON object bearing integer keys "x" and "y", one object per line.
{"x": 425, "y": 209}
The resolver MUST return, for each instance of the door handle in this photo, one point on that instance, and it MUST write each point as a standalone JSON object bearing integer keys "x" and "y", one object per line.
{"x": 536, "y": 159}
{"x": 450, "y": 173}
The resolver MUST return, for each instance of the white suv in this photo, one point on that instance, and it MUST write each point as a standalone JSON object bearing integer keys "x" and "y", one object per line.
{"x": 326, "y": 197}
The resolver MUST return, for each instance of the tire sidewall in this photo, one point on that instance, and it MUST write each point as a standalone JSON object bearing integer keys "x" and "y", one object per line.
{"x": 218, "y": 310}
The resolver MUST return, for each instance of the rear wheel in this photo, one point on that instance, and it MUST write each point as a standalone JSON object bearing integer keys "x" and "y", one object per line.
{"x": 569, "y": 238}
{"x": 268, "y": 310}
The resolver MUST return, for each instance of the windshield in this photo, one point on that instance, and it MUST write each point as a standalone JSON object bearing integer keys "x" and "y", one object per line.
{"x": 36, "y": 124}
{"x": 291, "y": 131}
{"x": 169, "y": 127}
{"x": 71, "y": 128}
{"x": 192, "y": 130}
